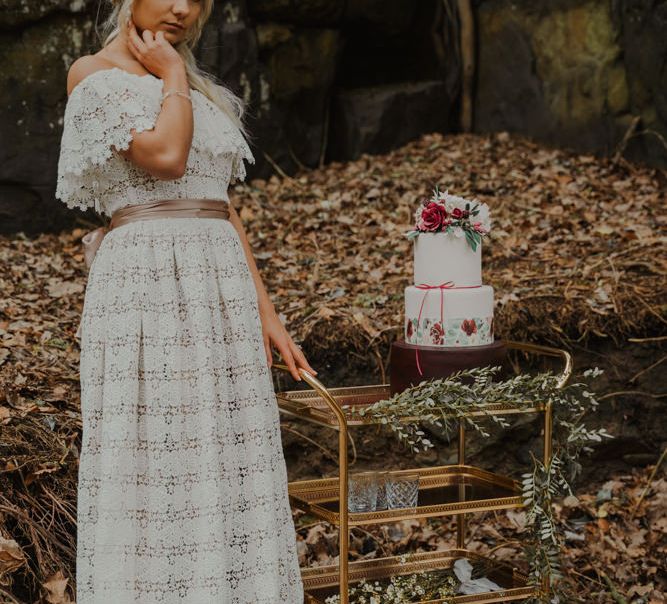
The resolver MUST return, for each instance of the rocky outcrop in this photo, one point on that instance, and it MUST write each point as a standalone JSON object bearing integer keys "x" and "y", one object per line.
{"x": 16, "y": 13}
{"x": 575, "y": 74}
{"x": 302, "y": 12}
{"x": 332, "y": 79}
{"x": 643, "y": 38}
{"x": 382, "y": 117}
{"x": 38, "y": 42}
{"x": 386, "y": 16}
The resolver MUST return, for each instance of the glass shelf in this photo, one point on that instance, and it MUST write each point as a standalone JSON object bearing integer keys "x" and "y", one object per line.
{"x": 322, "y": 581}
{"x": 443, "y": 491}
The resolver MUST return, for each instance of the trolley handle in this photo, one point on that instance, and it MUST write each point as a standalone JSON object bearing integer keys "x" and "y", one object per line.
{"x": 320, "y": 388}
{"x": 540, "y": 349}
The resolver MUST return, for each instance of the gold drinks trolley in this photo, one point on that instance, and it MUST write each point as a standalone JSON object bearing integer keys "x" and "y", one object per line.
{"x": 443, "y": 491}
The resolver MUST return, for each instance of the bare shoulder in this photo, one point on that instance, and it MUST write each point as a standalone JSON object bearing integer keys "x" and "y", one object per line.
{"x": 83, "y": 67}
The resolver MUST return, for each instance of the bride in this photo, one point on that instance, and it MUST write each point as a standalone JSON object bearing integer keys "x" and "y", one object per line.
{"x": 182, "y": 492}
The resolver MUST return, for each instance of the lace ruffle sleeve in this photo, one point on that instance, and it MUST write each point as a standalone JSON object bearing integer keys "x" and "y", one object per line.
{"x": 103, "y": 112}
{"x": 238, "y": 167}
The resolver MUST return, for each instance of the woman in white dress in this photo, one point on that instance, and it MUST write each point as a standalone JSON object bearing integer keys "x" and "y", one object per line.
{"x": 182, "y": 481}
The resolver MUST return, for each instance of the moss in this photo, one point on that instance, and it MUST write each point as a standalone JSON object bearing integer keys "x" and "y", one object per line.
{"x": 577, "y": 57}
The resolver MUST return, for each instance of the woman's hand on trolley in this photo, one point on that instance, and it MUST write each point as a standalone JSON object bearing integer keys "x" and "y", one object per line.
{"x": 274, "y": 332}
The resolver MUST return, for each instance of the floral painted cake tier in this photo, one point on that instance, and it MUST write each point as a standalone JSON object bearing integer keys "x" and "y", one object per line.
{"x": 471, "y": 331}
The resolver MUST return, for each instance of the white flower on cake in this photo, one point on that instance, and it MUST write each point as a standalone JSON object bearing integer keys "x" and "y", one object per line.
{"x": 483, "y": 217}
{"x": 452, "y": 214}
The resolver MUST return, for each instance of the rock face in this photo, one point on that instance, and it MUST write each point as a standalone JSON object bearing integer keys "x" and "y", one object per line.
{"x": 382, "y": 117}
{"x": 303, "y": 12}
{"x": 389, "y": 16}
{"x": 576, "y": 74}
{"x": 15, "y": 13}
{"x": 38, "y": 42}
{"x": 644, "y": 41}
{"x": 364, "y": 76}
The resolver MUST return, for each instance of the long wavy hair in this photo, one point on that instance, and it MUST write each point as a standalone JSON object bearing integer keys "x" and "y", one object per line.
{"x": 207, "y": 84}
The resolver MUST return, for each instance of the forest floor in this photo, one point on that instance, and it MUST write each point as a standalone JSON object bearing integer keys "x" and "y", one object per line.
{"x": 576, "y": 254}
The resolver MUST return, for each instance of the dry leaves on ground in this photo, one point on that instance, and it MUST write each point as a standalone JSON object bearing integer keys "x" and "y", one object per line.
{"x": 577, "y": 250}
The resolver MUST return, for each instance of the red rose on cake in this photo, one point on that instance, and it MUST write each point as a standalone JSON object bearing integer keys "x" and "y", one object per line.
{"x": 432, "y": 217}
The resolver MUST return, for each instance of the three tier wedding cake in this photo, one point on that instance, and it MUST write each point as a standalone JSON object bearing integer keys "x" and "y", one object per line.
{"x": 448, "y": 321}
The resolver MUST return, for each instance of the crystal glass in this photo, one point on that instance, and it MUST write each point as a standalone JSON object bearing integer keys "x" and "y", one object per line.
{"x": 362, "y": 490}
{"x": 402, "y": 490}
{"x": 383, "y": 478}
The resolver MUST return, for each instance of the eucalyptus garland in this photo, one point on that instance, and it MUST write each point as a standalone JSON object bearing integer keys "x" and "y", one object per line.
{"x": 445, "y": 402}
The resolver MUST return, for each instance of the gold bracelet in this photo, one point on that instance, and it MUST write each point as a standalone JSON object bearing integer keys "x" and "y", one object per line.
{"x": 178, "y": 92}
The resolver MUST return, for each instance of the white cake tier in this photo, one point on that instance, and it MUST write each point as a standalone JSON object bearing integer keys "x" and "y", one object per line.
{"x": 441, "y": 257}
{"x": 467, "y": 316}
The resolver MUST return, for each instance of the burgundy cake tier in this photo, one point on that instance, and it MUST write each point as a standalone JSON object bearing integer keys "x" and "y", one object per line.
{"x": 440, "y": 361}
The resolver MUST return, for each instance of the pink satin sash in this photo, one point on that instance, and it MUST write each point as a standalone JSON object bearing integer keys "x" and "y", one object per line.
{"x": 174, "y": 208}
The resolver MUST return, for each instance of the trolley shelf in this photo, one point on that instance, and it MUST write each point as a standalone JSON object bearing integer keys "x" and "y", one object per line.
{"x": 443, "y": 491}
{"x": 311, "y": 405}
{"x": 321, "y": 582}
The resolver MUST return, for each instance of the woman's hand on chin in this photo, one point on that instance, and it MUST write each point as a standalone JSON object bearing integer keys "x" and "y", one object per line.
{"x": 275, "y": 334}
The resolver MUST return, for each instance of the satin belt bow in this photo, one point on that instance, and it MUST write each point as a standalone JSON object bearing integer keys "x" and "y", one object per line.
{"x": 91, "y": 242}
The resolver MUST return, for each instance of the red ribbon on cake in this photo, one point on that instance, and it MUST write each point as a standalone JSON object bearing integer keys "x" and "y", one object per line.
{"x": 444, "y": 285}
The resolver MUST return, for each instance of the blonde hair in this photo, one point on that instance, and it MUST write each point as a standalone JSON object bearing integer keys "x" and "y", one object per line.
{"x": 207, "y": 84}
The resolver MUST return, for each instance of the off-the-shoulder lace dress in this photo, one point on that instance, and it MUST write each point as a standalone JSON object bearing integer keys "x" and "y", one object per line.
{"x": 182, "y": 481}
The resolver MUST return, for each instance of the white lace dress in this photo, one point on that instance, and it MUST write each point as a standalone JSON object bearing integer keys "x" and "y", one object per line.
{"x": 182, "y": 491}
